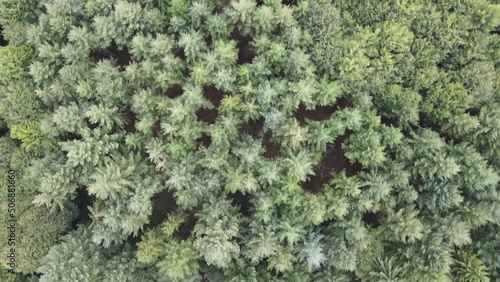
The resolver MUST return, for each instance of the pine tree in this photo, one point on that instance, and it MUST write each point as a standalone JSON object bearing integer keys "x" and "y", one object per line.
{"x": 262, "y": 243}
{"x": 55, "y": 188}
{"x": 365, "y": 147}
{"x": 400, "y": 103}
{"x": 225, "y": 52}
{"x": 263, "y": 19}
{"x": 241, "y": 12}
{"x": 76, "y": 258}
{"x": 104, "y": 116}
{"x": 439, "y": 196}
{"x": 216, "y": 233}
{"x": 409, "y": 88}
{"x": 385, "y": 270}
{"x": 218, "y": 26}
{"x": 215, "y": 244}
{"x": 180, "y": 261}
{"x": 238, "y": 180}
{"x": 323, "y": 20}
{"x": 105, "y": 30}
{"x": 111, "y": 181}
{"x": 487, "y": 245}
{"x": 292, "y": 135}
{"x": 445, "y": 100}
{"x": 468, "y": 267}
{"x": 14, "y": 61}
{"x": 312, "y": 251}
{"x": 486, "y": 136}
{"x": 40, "y": 230}
{"x": 429, "y": 156}
{"x": 429, "y": 260}
{"x": 90, "y": 150}
{"x": 404, "y": 225}
{"x": 283, "y": 260}
{"x": 476, "y": 174}
{"x": 193, "y": 44}
{"x": 33, "y": 141}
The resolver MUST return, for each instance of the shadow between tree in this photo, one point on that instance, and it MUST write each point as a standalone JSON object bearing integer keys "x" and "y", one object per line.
{"x": 174, "y": 91}
{"x": 246, "y": 52}
{"x": 129, "y": 118}
{"x": 333, "y": 161}
{"x": 122, "y": 57}
{"x": 242, "y": 201}
{"x": 321, "y": 113}
{"x": 3, "y": 41}
{"x": 215, "y": 96}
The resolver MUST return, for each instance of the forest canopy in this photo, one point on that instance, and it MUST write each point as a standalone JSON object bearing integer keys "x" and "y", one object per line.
{"x": 250, "y": 140}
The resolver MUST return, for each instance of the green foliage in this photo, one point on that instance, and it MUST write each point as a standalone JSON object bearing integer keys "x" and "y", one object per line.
{"x": 16, "y": 277}
{"x": 76, "y": 258}
{"x": 487, "y": 246}
{"x": 385, "y": 270}
{"x": 461, "y": 125}
{"x": 253, "y": 140}
{"x": 241, "y": 11}
{"x": 405, "y": 225}
{"x": 216, "y": 244}
{"x": 312, "y": 252}
{"x": 179, "y": 8}
{"x": 262, "y": 243}
{"x": 282, "y": 261}
{"x": 323, "y": 20}
{"x": 479, "y": 79}
{"x": 400, "y": 103}
{"x": 299, "y": 165}
{"x": 487, "y": 16}
{"x": 476, "y": 173}
{"x": 216, "y": 234}
{"x": 292, "y": 135}
{"x": 365, "y": 147}
{"x": 180, "y": 261}
{"x": 172, "y": 224}
{"x": 486, "y": 137}
{"x": 175, "y": 260}
{"x": 110, "y": 181}
{"x": 7, "y": 148}
{"x": 430, "y": 260}
{"x": 40, "y": 230}
{"x": 237, "y": 180}
{"x": 150, "y": 247}
{"x": 31, "y": 137}
{"x": 342, "y": 249}
{"x": 37, "y": 228}
{"x": 225, "y": 52}
{"x": 193, "y": 44}
{"x": 14, "y": 61}
{"x": 445, "y": 100}
{"x": 18, "y": 11}
{"x": 18, "y": 98}
{"x": 15, "y": 33}
{"x": 429, "y": 156}
{"x": 91, "y": 149}
{"x": 468, "y": 267}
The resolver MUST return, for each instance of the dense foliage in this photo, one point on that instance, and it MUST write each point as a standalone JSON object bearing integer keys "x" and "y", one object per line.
{"x": 250, "y": 140}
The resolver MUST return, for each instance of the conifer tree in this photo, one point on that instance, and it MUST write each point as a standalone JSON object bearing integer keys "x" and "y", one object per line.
{"x": 252, "y": 140}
